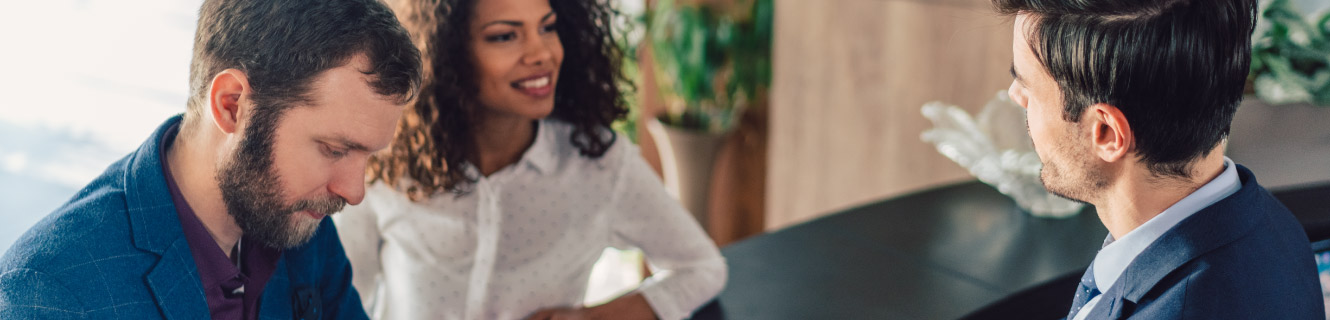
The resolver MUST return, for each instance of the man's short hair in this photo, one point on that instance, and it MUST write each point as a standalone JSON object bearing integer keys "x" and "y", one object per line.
{"x": 282, "y": 45}
{"x": 1176, "y": 68}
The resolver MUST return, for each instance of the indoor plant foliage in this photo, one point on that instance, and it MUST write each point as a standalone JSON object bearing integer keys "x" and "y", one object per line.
{"x": 713, "y": 58}
{"x": 1291, "y": 52}
{"x": 629, "y": 29}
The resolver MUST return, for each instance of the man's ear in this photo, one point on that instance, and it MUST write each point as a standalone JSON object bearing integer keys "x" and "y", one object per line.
{"x": 1111, "y": 134}
{"x": 228, "y": 88}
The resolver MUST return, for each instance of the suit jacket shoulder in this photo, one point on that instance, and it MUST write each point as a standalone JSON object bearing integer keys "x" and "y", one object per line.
{"x": 1245, "y": 257}
{"x": 116, "y": 250}
{"x": 80, "y": 261}
{"x": 40, "y": 275}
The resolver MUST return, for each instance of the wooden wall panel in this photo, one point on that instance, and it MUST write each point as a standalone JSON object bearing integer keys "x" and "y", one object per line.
{"x": 849, "y": 79}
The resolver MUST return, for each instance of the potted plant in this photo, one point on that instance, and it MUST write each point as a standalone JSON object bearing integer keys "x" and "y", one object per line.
{"x": 712, "y": 60}
{"x": 1291, "y": 52}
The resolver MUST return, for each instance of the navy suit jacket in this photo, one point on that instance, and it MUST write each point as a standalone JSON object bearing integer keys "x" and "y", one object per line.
{"x": 1245, "y": 257}
{"x": 117, "y": 251}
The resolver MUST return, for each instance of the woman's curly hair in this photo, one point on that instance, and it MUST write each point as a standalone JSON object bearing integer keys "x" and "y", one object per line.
{"x": 435, "y": 134}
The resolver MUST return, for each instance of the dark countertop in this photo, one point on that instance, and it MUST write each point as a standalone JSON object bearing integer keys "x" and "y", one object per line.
{"x": 937, "y": 254}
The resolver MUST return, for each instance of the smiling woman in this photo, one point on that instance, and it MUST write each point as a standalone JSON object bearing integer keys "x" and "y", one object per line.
{"x": 438, "y": 131}
{"x": 505, "y": 184}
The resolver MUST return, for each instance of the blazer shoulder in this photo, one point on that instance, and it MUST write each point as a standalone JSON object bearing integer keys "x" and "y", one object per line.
{"x": 1209, "y": 290}
{"x": 93, "y": 223}
{"x": 1244, "y": 257}
{"x": 33, "y": 294}
{"x": 1265, "y": 274}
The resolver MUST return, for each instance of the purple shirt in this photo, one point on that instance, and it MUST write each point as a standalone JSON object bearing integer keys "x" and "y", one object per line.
{"x": 233, "y": 288}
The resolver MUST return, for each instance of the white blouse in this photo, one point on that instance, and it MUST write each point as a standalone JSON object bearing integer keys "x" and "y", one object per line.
{"x": 525, "y": 238}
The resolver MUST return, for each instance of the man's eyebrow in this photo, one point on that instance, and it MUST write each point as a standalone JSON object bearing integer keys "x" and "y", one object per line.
{"x": 1015, "y": 75}
{"x": 345, "y": 142}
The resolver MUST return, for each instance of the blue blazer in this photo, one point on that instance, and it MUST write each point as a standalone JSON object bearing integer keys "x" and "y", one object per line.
{"x": 117, "y": 251}
{"x": 1245, "y": 257}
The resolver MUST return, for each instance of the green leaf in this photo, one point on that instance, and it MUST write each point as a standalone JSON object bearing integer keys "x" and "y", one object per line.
{"x": 696, "y": 43}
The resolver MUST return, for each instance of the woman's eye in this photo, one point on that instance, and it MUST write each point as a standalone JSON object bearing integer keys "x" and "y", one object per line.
{"x": 501, "y": 38}
{"x": 549, "y": 28}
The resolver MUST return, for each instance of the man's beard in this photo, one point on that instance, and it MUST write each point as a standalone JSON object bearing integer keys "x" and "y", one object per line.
{"x": 1080, "y": 185}
{"x": 1079, "y": 179}
{"x": 251, "y": 190}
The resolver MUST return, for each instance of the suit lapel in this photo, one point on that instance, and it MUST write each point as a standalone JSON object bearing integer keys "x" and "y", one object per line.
{"x": 155, "y": 226}
{"x": 1110, "y": 304}
{"x": 152, "y": 215}
{"x": 176, "y": 286}
{"x": 1112, "y": 307}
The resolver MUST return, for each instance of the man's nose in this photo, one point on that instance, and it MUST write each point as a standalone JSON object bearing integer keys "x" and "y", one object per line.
{"x": 349, "y": 183}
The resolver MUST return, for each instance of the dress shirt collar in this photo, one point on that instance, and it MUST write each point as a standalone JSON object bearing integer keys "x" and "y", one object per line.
{"x": 541, "y": 154}
{"x": 1117, "y": 254}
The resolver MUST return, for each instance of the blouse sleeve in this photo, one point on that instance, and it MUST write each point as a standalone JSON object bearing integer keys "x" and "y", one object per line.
{"x": 688, "y": 269}
{"x": 359, "y": 230}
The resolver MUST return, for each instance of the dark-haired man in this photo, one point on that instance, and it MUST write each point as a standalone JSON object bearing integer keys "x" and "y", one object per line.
{"x": 221, "y": 213}
{"x": 1129, "y": 104}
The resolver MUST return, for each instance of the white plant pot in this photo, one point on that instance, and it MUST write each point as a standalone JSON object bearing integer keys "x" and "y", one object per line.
{"x": 687, "y": 158}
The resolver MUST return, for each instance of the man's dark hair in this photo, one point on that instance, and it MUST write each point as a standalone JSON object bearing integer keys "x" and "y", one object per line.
{"x": 282, "y": 45}
{"x": 1176, "y": 68}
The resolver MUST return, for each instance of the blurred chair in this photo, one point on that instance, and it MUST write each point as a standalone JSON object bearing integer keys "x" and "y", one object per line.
{"x": 1311, "y": 204}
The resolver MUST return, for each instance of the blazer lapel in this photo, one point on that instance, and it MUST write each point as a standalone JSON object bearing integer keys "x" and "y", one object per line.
{"x": 176, "y": 286}
{"x": 155, "y": 225}
{"x": 152, "y": 215}
{"x": 1110, "y": 304}
{"x": 1116, "y": 308}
